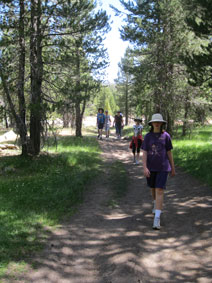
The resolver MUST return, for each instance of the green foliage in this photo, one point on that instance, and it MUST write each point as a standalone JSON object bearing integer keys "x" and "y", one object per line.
{"x": 124, "y": 83}
{"x": 106, "y": 98}
{"x": 71, "y": 61}
{"x": 200, "y": 22}
{"x": 38, "y": 192}
{"x": 160, "y": 38}
{"x": 194, "y": 153}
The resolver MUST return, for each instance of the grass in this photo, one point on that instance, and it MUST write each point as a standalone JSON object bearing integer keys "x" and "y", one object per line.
{"x": 194, "y": 153}
{"x": 119, "y": 182}
{"x": 37, "y": 192}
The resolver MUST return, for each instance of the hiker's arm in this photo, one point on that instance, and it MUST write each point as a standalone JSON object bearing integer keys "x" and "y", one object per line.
{"x": 171, "y": 160}
{"x": 144, "y": 160}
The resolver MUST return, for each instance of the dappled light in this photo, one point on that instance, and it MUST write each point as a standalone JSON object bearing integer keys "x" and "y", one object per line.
{"x": 103, "y": 244}
{"x": 79, "y": 83}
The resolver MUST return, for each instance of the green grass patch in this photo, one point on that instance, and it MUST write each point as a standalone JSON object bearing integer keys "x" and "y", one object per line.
{"x": 39, "y": 191}
{"x": 119, "y": 182}
{"x": 194, "y": 153}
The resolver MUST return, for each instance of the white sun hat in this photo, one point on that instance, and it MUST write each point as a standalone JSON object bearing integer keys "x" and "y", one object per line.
{"x": 157, "y": 118}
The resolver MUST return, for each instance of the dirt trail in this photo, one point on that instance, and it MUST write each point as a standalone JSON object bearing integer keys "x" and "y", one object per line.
{"x": 100, "y": 244}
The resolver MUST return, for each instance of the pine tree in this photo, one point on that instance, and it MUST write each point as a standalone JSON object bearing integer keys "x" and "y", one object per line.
{"x": 159, "y": 35}
{"x": 124, "y": 81}
{"x": 198, "y": 61}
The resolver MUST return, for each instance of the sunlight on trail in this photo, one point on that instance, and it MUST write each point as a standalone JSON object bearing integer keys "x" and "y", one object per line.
{"x": 101, "y": 244}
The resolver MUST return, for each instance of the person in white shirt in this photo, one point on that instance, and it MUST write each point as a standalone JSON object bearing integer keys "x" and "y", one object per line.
{"x": 136, "y": 140}
{"x": 107, "y": 124}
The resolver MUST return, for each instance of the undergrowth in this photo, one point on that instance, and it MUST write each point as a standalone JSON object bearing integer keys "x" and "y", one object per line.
{"x": 194, "y": 153}
{"x": 39, "y": 191}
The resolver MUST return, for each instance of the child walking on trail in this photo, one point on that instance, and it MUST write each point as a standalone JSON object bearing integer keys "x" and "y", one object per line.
{"x": 107, "y": 124}
{"x": 136, "y": 139}
{"x": 100, "y": 122}
{"x": 157, "y": 163}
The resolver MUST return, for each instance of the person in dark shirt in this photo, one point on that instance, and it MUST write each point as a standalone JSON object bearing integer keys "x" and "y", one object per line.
{"x": 118, "y": 122}
{"x": 100, "y": 122}
{"x": 157, "y": 163}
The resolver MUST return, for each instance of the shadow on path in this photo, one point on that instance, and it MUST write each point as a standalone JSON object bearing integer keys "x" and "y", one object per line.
{"x": 100, "y": 244}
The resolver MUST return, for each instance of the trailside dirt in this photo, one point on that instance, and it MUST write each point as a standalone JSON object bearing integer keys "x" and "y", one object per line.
{"x": 100, "y": 244}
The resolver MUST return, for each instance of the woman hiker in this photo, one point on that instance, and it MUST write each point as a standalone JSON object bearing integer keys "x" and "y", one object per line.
{"x": 157, "y": 163}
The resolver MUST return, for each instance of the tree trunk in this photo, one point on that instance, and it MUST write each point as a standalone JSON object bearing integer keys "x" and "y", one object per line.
{"x": 19, "y": 123}
{"x": 66, "y": 119}
{"x": 21, "y": 77}
{"x": 78, "y": 98}
{"x": 5, "y": 120}
{"x": 19, "y": 117}
{"x": 185, "y": 122}
{"x": 126, "y": 103}
{"x": 79, "y": 117}
{"x": 78, "y": 120}
{"x": 36, "y": 76}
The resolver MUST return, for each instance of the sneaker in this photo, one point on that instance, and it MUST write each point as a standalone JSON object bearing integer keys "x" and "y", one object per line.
{"x": 134, "y": 161}
{"x": 156, "y": 223}
{"x": 98, "y": 136}
{"x": 137, "y": 162}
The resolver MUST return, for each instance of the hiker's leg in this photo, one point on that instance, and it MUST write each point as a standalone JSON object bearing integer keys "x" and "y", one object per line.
{"x": 159, "y": 194}
{"x": 153, "y": 193}
{"x": 133, "y": 151}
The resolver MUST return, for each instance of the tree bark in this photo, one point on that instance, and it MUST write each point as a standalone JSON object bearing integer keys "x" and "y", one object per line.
{"x": 78, "y": 120}
{"x": 36, "y": 66}
{"x": 186, "y": 110}
{"x": 126, "y": 102}
{"x": 21, "y": 76}
{"x": 78, "y": 98}
{"x": 19, "y": 117}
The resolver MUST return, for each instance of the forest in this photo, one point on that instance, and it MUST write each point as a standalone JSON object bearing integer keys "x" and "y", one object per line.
{"x": 52, "y": 64}
{"x": 77, "y": 209}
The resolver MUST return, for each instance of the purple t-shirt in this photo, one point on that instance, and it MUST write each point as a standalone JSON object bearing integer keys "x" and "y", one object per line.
{"x": 157, "y": 145}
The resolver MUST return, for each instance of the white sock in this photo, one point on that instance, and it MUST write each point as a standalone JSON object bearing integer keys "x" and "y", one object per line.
{"x": 157, "y": 213}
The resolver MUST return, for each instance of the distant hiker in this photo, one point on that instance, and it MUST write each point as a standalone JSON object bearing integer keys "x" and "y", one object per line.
{"x": 118, "y": 122}
{"x": 107, "y": 124}
{"x": 157, "y": 163}
{"x": 100, "y": 122}
{"x": 136, "y": 139}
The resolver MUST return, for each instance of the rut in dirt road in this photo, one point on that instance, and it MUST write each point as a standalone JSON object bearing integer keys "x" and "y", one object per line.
{"x": 100, "y": 244}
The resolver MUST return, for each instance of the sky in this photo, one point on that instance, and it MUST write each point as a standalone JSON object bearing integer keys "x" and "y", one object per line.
{"x": 115, "y": 46}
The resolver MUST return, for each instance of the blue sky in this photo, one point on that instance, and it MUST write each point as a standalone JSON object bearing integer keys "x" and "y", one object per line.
{"x": 115, "y": 46}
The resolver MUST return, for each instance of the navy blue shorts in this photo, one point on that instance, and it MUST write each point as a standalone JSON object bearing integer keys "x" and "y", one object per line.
{"x": 100, "y": 126}
{"x": 157, "y": 180}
